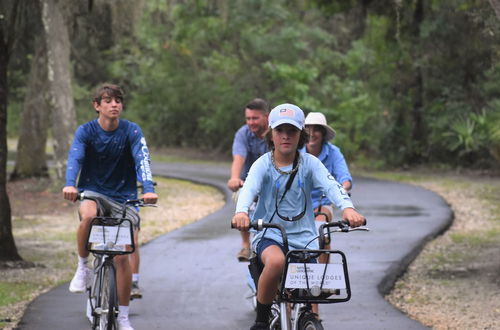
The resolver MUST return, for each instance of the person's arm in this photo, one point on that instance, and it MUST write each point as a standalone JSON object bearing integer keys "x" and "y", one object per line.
{"x": 323, "y": 180}
{"x": 240, "y": 151}
{"x": 234, "y": 183}
{"x": 340, "y": 168}
{"x": 140, "y": 153}
{"x": 76, "y": 155}
{"x": 248, "y": 193}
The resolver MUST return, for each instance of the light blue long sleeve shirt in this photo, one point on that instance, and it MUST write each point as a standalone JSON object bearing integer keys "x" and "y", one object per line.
{"x": 335, "y": 163}
{"x": 265, "y": 181}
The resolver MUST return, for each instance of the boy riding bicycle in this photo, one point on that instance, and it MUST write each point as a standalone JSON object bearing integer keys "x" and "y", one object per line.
{"x": 108, "y": 154}
{"x": 290, "y": 207}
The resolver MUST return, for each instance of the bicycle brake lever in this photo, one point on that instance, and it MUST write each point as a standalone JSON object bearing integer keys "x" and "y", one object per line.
{"x": 360, "y": 228}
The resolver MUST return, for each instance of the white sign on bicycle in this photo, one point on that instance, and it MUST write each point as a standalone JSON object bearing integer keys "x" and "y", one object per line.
{"x": 298, "y": 276}
{"x": 106, "y": 234}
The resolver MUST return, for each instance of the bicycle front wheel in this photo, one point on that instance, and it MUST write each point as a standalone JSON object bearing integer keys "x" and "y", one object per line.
{"x": 308, "y": 321}
{"x": 108, "y": 301}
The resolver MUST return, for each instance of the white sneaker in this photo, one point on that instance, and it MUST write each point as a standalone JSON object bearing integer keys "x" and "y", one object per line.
{"x": 124, "y": 324}
{"x": 81, "y": 280}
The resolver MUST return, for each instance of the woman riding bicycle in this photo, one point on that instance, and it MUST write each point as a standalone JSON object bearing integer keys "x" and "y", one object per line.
{"x": 320, "y": 133}
{"x": 291, "y": 206}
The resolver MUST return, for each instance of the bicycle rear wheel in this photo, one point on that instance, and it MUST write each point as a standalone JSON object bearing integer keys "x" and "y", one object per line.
{"x": 308, "y": 321}
{"x": 108, "y": 299}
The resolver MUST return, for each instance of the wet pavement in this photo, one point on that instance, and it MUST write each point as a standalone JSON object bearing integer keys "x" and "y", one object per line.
{"x": 192, "y": 280}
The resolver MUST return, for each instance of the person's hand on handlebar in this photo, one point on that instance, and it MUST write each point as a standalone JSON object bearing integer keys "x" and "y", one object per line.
{"x": 240, "y": 221}
{"x": 353, "y": 217}
{"x": 70, "y": 193}
{"x": 234, "y": 184}
{"x": 150, "y": 198}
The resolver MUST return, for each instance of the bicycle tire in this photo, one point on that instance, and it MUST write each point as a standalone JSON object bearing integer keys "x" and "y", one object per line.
{"x": 95, "y": 291}
{"x": 308, "y": 321}
{"x": 108, "y": 299}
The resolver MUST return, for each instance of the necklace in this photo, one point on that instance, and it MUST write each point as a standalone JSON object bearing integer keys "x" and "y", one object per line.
{"x": 285, "y": 172}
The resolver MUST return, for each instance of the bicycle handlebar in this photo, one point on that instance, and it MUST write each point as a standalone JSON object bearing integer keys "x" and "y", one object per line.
{"x": 133, "y": 202}
{"x": 343, "y": 226}
{"x": 260, "y": 225}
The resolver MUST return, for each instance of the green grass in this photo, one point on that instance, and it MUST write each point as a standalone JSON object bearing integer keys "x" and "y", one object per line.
{"x": 11, "y": 293}
{"x": 161, "y": 157}
{"x": 477, "y": 239}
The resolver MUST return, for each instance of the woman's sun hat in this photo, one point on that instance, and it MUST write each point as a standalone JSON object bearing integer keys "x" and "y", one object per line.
{"x": 317, "y": 118}
{"x": 286, "y": 114}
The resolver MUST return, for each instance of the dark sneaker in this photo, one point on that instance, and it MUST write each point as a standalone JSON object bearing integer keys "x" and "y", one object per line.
{"x": 244, "y": 255}
{"x": 136, "y": 292}
{"x": 259, "y": 326}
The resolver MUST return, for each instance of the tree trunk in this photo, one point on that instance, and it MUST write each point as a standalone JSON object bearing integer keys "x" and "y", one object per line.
{"x": 31, "y": 159}
{"x": 495, "y": 4}
{"x": 418, "y": 135}
{"x": 8, "y": 250}
{"x": 60, "y": 94}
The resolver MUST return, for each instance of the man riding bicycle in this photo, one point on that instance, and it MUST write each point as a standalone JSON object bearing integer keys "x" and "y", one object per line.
{"x": 108, "y": 154}
{"x": 249, "y": 144}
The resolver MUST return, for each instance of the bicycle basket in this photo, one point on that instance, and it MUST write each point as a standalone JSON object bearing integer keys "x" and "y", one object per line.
{"x": 110, "y": 236}
{"x": 304, "y": 280}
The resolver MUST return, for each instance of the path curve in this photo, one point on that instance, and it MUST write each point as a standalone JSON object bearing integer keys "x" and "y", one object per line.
{"x": 191, "y": 278}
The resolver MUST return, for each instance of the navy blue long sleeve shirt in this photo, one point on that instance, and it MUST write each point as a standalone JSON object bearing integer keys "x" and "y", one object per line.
{"x": 110, "y": 162}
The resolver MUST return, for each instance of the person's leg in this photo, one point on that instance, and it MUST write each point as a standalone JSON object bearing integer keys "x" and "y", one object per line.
{"x": 123, "y": 284}
{"x": 135, "y": 261}
{"x": 123, "y": 279}
{"x": 245, "y": 252}
{"x": 325, "y": 215}
{"x": 274, "y": 260}
{"x": 87, "y": 212}
{"x": 135, "y": 258}
{"x": 124, "y": 269}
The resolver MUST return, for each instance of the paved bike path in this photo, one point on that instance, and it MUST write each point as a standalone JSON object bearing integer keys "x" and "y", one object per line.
{"x": 191, "y": 278}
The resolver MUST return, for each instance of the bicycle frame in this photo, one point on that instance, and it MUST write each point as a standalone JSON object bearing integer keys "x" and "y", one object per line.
{"x": 95, "y": 291}
{"x": 316, "y": 285}
{"x": 107, "y": 237}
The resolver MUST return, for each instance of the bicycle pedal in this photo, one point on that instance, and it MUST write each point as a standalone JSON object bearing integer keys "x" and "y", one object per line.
{"x": 135, "y": 296}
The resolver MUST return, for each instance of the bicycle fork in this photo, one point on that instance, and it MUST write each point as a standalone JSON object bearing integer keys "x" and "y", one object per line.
{"x": 287, "y": 316}
{"x": 94, "y": 291}
{"x": 284, "y": 316}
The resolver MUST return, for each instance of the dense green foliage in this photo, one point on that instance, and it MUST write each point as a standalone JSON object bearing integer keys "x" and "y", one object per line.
{"x": 403, "y": 82}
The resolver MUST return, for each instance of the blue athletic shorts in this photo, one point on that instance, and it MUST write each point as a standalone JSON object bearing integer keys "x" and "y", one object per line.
{"x": 267, "y": 242}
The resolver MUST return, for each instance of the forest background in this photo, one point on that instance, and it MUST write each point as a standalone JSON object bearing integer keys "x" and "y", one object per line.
{"x": 404, "y": 82}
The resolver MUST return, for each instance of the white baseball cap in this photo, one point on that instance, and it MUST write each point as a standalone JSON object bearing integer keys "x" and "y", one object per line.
{"x": 286, "y": 114}
{"x": 317, "y": 118}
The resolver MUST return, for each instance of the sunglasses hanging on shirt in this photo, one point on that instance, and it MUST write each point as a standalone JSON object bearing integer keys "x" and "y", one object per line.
{"x": 297, "y": 217}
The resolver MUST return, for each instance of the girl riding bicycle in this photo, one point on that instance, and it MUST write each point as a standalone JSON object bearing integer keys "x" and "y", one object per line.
{"x": 286, "y": 204}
